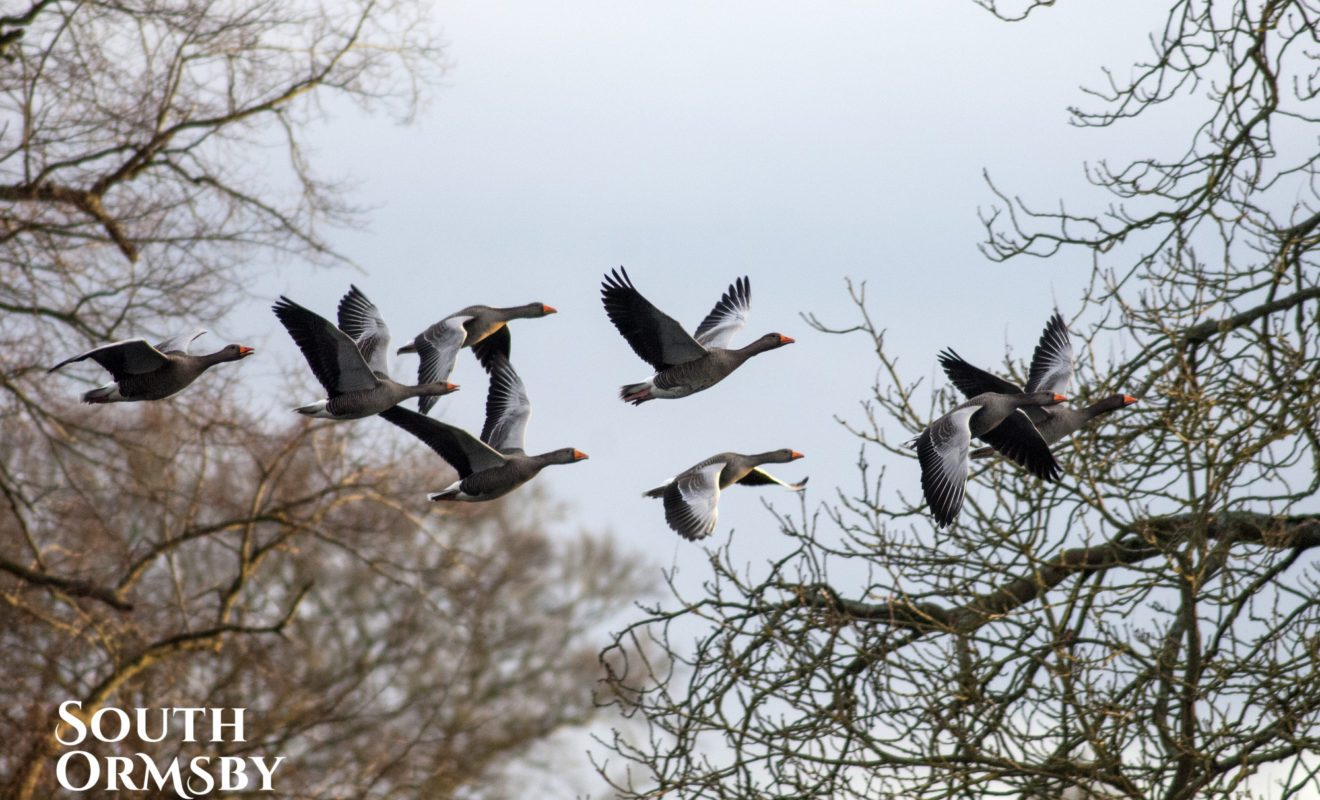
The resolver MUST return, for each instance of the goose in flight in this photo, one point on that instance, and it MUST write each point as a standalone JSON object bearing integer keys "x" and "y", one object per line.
{"x": 692, "y": 497}
{"x": 1051, "y": 371}
{"x": 483, "y": 328}
{"x": 684, "y": 363}
{"x": 943, "y": 448}
{"x": 143, "y": 372}
{"x": 495, "y": 464}
{"x": 349, "y": 359}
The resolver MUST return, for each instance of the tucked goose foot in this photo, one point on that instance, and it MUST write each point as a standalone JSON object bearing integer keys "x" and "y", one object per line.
{"x": 635, "y": 393}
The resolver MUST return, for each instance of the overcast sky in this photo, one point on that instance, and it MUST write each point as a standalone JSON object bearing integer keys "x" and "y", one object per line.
{"x": 694, "y": 142}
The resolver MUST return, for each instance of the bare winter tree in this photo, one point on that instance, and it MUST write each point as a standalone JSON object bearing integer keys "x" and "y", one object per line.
{"x": 1145, "y": 628}
{"x": 208, "y": 561}
{"x": 150, "y": 148}
{"x": 192, "y": 553}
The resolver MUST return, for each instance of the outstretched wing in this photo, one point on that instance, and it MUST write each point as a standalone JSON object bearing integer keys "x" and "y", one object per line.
{"x": 361, "y": 320}
{"x": 497, "y": 345}
{"x": 1052, "y": 363}
{"x": 728, "y": 317}
{"x": 438, "y": 347}
{"x": 942, "y": 452}
{"x": 181, "y": 342}
{"x": 759, "y": 477}
{"x": 507, "y": 409}
{"x": 652, "y": 334}
{"x": 460, "y": 449}
{"x": 971, "y": 380}
{"x": 692, "y": 501}
{"x": 129, "y": 357}
{"x": 333, "y": 356}
{"x": 1018, "y": 440}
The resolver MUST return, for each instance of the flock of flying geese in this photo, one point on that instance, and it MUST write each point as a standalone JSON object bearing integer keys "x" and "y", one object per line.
{"x": 350, "y": 361}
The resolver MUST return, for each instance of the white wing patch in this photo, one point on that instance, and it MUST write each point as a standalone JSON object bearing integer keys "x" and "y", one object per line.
{"x": 507, "y": 409}
{"x": 943, "y": 450}
{"x": 438, "y": 348}
{"x": 692, "y": 501}
{"x": 1052, "y": 362}
{"x": 728, "y": 317}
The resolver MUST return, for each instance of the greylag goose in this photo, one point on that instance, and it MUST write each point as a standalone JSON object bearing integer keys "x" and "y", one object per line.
{"x": 143, "y": 372}
{"x": 684, "y": 364}
{"x": 483, "y": 328}
{"x": 1051, "y": 371}
{"x": 943, "y": 447}
{"x": 496, "y": 466}
{"x": 692, "y": 497}
{"x": 352, "y": 369}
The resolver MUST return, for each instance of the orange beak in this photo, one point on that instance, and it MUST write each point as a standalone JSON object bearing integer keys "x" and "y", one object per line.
{"x": 1058, "y": 398}
{"x": 797, "y": 455}
{"x": 578, "y": 455}
{"x": 1127, "y": 401}
{"x": 549, "y": 309}
{"x": 784, "y": 339}
{"x": 245, "y": 351}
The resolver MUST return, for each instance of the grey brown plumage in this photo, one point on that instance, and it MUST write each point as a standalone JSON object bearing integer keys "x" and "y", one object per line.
{"x": 352, "y": 370}
{"x": 684, "y": 363}
{"x": 943, "y": 448}
{"x": 492, "y": 468}
{"x": 1051, "y": 370}
{"x": 692, "y": 497}
{"x": 143, "y": 372}
{"x": 484, "y": 329}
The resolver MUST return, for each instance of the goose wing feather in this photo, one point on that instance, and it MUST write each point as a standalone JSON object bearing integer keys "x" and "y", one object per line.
{"x": 129, "y": 357}
{"x": 460, "y": 449}
{"x": 653, "y": 335}
{"x": 507, "y": 409}
{"x": 332, "y": 354}
{"x": 1018, "y": 440}
{"x": 759, "y": 477}
{"x": 437, "y": 351}
{"x": 942, "y": 450}
{"x": 1052, "y": 362}
{"x": 692, "y": 501}
{"x": 181, "y": 342}
{"x": 728, "y": 317}
{"x": 972, "y": 380}
{"x": 497, "y": 345}
{"x": 361, "y": 320}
